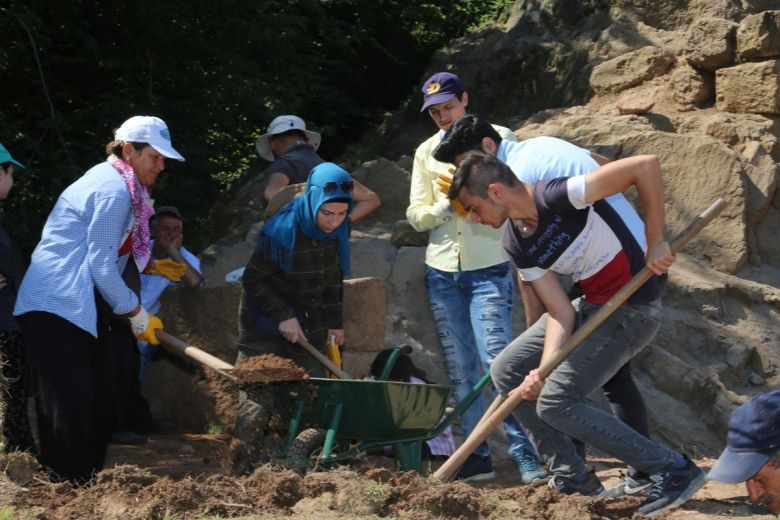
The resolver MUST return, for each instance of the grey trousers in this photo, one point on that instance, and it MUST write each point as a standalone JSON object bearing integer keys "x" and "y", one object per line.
{"x": 560, "y": 412}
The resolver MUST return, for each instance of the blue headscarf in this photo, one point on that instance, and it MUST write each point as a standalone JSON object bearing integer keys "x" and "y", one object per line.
{"x": 277, "y": 238}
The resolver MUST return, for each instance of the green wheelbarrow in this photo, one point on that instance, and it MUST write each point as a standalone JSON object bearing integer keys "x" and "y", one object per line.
{"x": 334, "y": 420}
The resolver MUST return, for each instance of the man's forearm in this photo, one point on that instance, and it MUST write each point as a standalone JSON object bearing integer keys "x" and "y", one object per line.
{"x": 365, "y": 201}
{"x": 191, "y": 275}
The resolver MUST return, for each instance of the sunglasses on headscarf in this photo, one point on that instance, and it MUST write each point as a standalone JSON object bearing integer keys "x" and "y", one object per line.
{"x": 330, "y": 187}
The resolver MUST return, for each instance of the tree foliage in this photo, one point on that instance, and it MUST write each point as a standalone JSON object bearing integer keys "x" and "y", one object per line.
{"x": 216, "y": 71}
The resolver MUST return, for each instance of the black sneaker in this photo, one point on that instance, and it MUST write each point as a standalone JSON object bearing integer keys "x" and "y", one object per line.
{"x": 633, "y": 483}
{"x": 587, "y": 484}
{"x": 672, "y": 487}
{"x": 476, "y": 469}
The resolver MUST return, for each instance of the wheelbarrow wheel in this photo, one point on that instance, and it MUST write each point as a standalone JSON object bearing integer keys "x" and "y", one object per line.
{"x": 306, "y": 449}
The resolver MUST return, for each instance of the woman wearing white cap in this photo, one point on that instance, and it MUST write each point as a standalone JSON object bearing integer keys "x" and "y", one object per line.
{"x": 98, "y": 223}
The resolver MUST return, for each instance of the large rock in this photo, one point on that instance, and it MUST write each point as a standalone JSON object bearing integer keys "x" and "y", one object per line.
{"x": 391, "y": 182}
{"x": 630, "y": 70}
{"x": 690, "y": 88}
{"x": 711, "y": 43}
{"x": 697, "y": 171}
{"x": 750, "y": 87}
{"x": 758, "y": 36}
{"x": 735, "y": 130}
{"x": 364, "y": 314}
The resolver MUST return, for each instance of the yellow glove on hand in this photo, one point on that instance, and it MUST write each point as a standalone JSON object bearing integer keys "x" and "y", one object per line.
{"x": 145, "y": 326}
{"x": 444, "y": 182}
{"x": 170, "y": 269}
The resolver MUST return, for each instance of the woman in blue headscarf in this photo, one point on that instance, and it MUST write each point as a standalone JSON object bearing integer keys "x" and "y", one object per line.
{"x": 293, "y": 285}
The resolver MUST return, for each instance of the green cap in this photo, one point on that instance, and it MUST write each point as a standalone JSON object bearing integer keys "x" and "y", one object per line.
{"x": 6, "y": 157}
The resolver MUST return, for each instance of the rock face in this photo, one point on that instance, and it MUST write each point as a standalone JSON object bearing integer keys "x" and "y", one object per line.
{"x": 665, "y": 80}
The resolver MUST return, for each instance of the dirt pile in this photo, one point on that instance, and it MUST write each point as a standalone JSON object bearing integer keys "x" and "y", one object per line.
{"x": 268, "y": 368}
{"x": 368, "y": 489}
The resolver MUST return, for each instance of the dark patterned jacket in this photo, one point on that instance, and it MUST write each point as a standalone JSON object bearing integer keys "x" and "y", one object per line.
{"x": 312, "y": 290}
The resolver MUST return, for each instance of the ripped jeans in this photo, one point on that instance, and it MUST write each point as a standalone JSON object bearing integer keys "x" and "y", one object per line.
{"x": 473, "y": 313}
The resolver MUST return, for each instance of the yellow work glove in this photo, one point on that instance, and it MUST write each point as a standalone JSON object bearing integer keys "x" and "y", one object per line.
{"x": 444, "y": 182}
{"x": 145, "y": 326}
{"x": 170, "y": 269}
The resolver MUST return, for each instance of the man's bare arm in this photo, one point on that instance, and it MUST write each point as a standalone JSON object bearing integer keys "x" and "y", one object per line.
{"x": 276, "y": 182}
{"x": 365, "y": 200}
{"x": 644, "y": 173}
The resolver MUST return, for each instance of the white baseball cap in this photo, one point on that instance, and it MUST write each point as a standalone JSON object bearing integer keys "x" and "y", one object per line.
{"x": 151, "y": 130}
{"x": 281, "y": 125}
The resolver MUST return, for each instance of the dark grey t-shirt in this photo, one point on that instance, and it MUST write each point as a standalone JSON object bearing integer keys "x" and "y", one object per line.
{"x": 297, "y": 163}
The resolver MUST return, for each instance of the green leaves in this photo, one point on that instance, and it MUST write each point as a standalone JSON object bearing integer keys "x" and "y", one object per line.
{"x": 216, "y": 71}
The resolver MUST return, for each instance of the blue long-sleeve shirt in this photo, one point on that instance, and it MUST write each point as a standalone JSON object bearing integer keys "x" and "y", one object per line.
{"x": 78, "y": 252}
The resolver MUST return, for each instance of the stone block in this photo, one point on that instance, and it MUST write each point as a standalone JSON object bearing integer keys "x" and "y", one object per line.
{"x": 630, "y": 69}
{"x": 758, "y": 36}
{"x": 749, "y": 88}
{"x": 690, "y": 88}
{"x": 364, "y": 314}
{"x": 710, "y": 43}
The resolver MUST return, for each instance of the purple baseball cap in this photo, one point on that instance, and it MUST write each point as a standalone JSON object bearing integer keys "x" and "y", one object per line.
{"x": 440, "y": 88}
{"x": 754, "y": 435}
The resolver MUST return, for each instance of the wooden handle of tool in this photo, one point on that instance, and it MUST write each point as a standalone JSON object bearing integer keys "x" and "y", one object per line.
{"x": 176, "y": 345}
{"x": 488, "y": 424}
{"x": 325, "y": 361}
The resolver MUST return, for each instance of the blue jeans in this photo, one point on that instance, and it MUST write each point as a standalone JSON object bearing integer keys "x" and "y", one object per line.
{"x": 473, "y": 313}
{"x": 560, "y": 412}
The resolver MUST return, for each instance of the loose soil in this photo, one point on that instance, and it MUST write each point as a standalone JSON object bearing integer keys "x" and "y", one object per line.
{"x": 268, "y": 368}
{"x": 186, "y": 476}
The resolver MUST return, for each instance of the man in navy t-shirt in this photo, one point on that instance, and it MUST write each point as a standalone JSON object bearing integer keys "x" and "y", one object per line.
{"x": 563, "y": 226}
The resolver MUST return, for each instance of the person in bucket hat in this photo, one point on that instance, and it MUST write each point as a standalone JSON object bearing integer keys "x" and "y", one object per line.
{"x": 292, "y": 149}
{"x": 81, "y": 288}
{"x": 750, "y": 456}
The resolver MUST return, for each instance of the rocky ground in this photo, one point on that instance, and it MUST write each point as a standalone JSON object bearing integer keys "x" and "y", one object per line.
{"x": 182, "y": 476}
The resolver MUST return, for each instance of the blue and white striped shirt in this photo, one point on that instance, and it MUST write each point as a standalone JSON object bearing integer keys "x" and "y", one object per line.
{"x": 78, "y": 252}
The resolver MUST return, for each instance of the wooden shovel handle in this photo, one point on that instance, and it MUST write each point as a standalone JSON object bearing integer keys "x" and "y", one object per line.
{"x": 327, "y": 363}
{"x": 489, "y": 423}
{"x": 176, "y": 345}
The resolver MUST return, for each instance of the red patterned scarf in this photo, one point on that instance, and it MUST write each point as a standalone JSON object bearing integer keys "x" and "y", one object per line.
{"x": 142, "y": 209}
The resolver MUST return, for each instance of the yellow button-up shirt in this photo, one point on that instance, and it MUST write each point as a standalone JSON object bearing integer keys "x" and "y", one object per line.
{"x": 454, "y": 242}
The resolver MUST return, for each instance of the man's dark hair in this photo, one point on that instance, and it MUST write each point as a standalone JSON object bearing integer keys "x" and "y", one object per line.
{"x": 478, "y": 171}
{"x": 4, "y": 166}
{"x": 464, "y": 135}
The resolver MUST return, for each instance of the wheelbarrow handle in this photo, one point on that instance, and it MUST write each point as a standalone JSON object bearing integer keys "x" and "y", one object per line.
{"x": 490, "y": 422}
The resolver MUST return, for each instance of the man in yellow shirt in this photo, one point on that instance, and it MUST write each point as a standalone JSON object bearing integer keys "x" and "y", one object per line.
{"x": 468, "y": 279}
